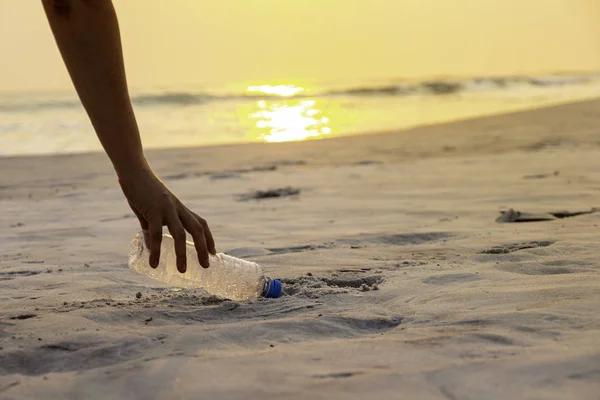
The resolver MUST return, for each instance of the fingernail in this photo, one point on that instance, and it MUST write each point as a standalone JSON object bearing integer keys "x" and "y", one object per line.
{"x": 205, "y": 263}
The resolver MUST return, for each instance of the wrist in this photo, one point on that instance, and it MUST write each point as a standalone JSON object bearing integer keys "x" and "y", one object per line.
{"x": 131, "y": 167}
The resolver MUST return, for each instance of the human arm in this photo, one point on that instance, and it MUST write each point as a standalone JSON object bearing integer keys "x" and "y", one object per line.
{"x": 87, "y": 35}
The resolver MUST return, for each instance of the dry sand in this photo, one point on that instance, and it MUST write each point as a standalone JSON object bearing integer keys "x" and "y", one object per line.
{"x": 399, "y": 282}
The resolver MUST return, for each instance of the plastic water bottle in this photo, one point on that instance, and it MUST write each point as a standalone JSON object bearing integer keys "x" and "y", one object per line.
{"x": 227, "y": 276}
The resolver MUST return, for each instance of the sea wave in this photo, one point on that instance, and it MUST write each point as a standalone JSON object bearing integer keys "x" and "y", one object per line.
{"x": 33, "y": 105}
{"x": 440, "y": 87}
{"x": 447, "y": 86}
{"x": 173, "y": 98}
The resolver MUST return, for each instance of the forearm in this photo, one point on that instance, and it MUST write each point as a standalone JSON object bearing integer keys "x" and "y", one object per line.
{"x": 87, "y": 34}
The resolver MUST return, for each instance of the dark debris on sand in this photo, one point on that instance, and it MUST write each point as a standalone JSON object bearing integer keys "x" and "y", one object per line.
{"x": 519, "y": 216}
{"x": 270, "y": 194}
{"x": 541, "y": 176}
{"x": 512, "y": 247}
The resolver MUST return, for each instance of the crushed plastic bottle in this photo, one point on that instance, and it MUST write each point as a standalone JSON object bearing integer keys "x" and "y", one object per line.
{"x": 227, "y": 276}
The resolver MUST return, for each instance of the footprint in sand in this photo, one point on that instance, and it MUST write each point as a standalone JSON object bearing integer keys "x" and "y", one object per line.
{"x": 448, "y": 279}
{"x": 404, "y": 239}
{"x": 538, "y": 266}
{"x": 546, "y": 268}
{"x": 69, "y": 356}
{"x": 5, "y": 276}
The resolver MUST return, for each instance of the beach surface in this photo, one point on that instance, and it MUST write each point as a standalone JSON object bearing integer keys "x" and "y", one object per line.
{"x": 399, "y": 282}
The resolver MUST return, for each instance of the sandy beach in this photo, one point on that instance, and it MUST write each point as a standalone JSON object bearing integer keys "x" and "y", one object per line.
{"x": 399, "y": 282}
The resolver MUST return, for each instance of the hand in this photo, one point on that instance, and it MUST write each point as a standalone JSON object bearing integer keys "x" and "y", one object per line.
{"x": 155, "y": 206}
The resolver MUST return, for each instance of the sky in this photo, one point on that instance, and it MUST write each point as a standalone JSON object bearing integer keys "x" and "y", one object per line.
{"x": 177, "y": 43}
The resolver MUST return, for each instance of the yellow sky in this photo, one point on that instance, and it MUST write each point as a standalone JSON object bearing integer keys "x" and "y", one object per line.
{"x": 182, "y": 42}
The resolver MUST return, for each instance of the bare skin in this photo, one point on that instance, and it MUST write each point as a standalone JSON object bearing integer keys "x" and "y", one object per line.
{"x": 88, "y": 37}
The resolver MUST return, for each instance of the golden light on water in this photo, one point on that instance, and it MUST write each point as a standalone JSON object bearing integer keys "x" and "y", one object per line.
{"x": 286, "y": 122}
{"x": 277, "y": 90}
{"x": 283, "y": 120}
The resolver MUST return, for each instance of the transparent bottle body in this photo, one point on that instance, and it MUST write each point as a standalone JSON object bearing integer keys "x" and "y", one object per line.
{"x": 227, "y": 276}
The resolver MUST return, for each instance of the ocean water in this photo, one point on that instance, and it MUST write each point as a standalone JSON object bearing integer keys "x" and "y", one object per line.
{"x": 50, "y": 123}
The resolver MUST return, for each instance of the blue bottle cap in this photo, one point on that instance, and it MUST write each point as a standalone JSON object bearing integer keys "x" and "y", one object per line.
{"x": 274, "y": 289}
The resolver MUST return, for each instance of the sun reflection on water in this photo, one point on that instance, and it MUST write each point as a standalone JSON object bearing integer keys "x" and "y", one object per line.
{"x": 277, "y": 90}
{"x": 286, "y": 119}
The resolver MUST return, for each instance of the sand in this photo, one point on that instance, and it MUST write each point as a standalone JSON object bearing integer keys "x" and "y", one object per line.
{"x": 399, "y": 282}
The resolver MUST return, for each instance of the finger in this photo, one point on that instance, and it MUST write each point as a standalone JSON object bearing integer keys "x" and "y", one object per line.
{"x": 193, "y": 226}
{"x": 210, "y": 242}
{"x": 143, "y": 225}
{"x": 178, "y": 233}
{"x": 155, "y": 233}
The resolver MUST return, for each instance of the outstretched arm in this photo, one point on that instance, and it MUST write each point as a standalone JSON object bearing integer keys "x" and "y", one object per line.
{"x": 87, "y": 34}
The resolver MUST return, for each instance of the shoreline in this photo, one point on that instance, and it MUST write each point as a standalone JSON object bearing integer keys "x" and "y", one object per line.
{"x": 423, "y": 127}
{"x": 418, "y": 129}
